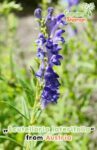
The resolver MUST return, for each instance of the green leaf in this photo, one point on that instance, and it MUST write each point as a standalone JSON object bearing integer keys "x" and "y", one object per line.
{"x": 1, "y": 78}
{"x": 25, "y": 110}
{"x": 14, "y": 109}
{"x": 29, "y": 91}
{"x": 9, "y": 138}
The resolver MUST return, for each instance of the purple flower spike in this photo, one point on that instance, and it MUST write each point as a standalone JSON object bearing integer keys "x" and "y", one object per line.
{"x": 48, "y": 53}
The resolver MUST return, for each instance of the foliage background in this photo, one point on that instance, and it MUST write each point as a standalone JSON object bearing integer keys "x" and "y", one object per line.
{"x": 18, "y": 84}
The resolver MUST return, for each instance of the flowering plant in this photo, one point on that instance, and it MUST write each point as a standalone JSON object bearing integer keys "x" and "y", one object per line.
{"x": 48, "y": 53}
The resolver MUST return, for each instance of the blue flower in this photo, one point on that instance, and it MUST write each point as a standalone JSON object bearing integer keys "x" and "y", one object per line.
{"x": 56, "y": 48}
{"x": 40, "y": 53}
{"x": 59, "y": 32}
{"x": 37, "y": 13}
{"x": 49, "y": 96}
{"x": 50, "y": 11}
{"x": 72, "y": 2}
{"x": 48, "y": 53}
{"x": 50, "y": 74}
{"x": 41, "y": 40}
{"x": 55, "y": 60}
{"x": 40, "y": 72}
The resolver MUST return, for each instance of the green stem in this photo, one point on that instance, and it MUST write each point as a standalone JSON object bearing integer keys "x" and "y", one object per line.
{"x": 36, "y": 103}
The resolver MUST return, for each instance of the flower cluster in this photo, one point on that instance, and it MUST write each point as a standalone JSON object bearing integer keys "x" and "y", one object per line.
{"x": 48, "y": 53}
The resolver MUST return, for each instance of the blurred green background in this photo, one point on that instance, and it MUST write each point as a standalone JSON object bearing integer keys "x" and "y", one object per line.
{"x": 77, "y": 105}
